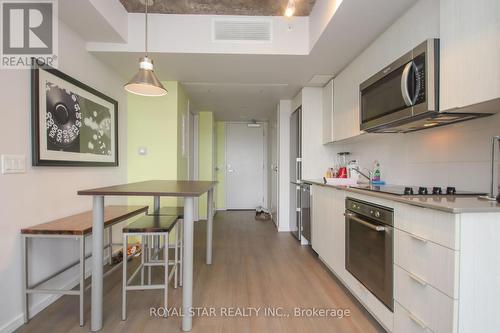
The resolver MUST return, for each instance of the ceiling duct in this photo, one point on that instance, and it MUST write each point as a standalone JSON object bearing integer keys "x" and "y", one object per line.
{"x": 242, "y": 30}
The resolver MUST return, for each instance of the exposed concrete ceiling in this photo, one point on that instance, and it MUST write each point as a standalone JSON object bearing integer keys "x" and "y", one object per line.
{"x": 220, "y": 7}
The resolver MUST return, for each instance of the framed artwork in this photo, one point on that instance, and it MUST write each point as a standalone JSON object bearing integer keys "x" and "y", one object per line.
{"x": 72, "y": 123}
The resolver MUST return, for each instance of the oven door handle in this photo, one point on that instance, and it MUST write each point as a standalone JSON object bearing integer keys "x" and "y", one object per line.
{"x": 352, "y": 217}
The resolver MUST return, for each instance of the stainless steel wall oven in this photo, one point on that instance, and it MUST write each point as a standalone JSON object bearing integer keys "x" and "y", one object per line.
{"x": 369, "y": 247}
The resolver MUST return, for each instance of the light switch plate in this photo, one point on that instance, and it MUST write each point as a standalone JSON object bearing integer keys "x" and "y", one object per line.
{"x": 13, "y": 164}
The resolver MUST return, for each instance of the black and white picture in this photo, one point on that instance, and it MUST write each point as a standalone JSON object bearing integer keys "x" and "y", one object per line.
{"x": 73, "y": 124}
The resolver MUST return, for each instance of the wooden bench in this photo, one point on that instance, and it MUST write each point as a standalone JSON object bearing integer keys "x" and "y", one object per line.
{"x": 77, "y": 227}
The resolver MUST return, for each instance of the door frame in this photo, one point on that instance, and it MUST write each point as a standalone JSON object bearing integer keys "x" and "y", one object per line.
{"x": 195, "y": 156}
{"x": 265, "y": 180}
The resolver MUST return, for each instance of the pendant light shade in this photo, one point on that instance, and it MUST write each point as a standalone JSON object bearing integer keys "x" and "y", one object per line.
{"x": 145, "y": 82}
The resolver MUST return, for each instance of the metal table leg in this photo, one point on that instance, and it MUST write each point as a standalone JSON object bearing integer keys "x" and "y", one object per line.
{"x": 97, "y": 262}
{"x": 82, "y": 279}
{"x": 24, "y": 254}
{"x": 187, "y": 291}
{"x": 210, "y": 222}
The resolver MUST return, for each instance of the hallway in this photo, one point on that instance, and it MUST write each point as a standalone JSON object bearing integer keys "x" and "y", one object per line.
{"x": 254, "y": 267}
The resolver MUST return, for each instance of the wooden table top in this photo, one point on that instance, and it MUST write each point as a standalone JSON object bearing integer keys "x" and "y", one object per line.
{"x": 81, "y": 224}
{"x": 170, "y": 188}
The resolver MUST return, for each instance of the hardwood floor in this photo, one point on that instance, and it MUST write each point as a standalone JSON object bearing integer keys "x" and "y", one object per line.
{"x": 253, "y": 266}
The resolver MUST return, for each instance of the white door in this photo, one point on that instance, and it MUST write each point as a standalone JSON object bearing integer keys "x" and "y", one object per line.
{"x": 244, "y": 166}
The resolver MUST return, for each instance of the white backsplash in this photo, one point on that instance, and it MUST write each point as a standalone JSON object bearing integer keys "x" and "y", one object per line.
{"x": 454, "y": 155}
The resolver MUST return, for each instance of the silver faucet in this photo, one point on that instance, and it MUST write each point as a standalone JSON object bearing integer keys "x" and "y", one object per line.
{"x": 369, "y": 176}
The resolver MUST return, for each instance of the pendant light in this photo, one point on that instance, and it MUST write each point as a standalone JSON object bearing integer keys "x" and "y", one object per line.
{"x": 145, "y": 82}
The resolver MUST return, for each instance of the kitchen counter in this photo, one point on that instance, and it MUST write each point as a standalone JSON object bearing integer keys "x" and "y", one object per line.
{"x": 449, "y": 204}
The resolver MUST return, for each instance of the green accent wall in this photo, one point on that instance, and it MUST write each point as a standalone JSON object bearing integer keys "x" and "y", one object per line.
{"x": 220, "y": 148}
{"x": 155, "y": 123}
{"x": 206, "y": 155}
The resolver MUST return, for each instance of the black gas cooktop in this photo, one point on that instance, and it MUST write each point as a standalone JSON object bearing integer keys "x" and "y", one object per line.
{"x": 415, "y": 190}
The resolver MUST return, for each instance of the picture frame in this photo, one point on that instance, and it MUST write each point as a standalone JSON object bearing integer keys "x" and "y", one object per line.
{"x": 72, "y": 123}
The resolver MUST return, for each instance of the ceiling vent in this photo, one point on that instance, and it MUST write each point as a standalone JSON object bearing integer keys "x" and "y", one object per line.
{"x": 241, "y": 30}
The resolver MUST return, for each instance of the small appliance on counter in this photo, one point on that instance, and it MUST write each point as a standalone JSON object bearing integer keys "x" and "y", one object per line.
{"x": 339, "y": 174}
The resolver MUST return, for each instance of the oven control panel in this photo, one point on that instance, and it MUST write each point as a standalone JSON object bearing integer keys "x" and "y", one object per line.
{"x": 376, "y": 212}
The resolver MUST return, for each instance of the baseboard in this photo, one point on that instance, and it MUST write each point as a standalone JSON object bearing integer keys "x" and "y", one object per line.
{"x": 36, "y": 308}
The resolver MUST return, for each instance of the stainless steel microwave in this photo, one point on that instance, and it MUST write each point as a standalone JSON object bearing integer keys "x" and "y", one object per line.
{"x": 404, "y": 96}
{"x": 405, "y": 89}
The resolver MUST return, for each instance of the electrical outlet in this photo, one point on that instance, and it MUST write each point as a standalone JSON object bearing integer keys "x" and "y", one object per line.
{"x": 13, "y": 164}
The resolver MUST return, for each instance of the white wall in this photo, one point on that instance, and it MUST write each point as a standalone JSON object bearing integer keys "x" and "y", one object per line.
{"x": 193, "y": 34}
{"x": 319, "y": 18}
{"x": 284, "y": 112}
{"x": 46, "y": 193}
{"x": 273, "y": 152}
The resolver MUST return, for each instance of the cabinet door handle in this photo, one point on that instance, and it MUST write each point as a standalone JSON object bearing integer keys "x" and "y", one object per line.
{"x": 424, "y": 241}
{"x": 417, "y": 279}
{"x": 417, "y": 321}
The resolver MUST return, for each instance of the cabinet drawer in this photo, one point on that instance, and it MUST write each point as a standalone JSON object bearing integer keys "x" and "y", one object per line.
{"x": 428, "y": 306}
{"x": 405, "y": 322}
{"x": 433, "y": 263}
{"x": 439, "y": 227}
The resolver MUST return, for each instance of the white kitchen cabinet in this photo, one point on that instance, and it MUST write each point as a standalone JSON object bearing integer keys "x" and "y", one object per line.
{"x": 345, "y": 108}
{"x": 322, "y": 226}
{"x": 470, "y": 52}
{"x": 328, "y": 113}
{"x": 427, "y": 306}
{"x": 427, "y": 261}
{"x": 328, "y": 227}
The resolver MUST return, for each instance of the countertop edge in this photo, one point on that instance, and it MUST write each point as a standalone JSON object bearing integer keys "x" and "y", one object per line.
{"x": 406, "y": 201}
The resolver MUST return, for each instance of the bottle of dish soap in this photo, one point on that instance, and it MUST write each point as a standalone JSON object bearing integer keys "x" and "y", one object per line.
{"x": 377, "y": 173}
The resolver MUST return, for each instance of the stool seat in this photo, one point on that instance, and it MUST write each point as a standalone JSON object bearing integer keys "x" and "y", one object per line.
{"x": 175, "y": 211}
{"x": 152, "y": 223}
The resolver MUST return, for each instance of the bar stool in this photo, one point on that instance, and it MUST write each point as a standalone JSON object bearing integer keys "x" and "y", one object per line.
{"x": 146, "y": 228}
{"x": 176, "y": 211}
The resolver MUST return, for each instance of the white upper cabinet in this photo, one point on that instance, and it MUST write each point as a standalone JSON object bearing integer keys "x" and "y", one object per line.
{"x": 470, "y": 52}
{"x": 328, "y": 113}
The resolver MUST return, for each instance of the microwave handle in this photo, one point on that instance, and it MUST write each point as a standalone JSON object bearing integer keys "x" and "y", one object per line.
{"x": 404, "y": 84}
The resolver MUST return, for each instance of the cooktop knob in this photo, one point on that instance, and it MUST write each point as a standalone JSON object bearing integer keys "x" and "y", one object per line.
{"x": 422, "y": 190}
{"x": 377, "y": 214}
{"x": 437, "y": 190}
{"x": 408, "y": 191}
{"x": 450, "y": 190}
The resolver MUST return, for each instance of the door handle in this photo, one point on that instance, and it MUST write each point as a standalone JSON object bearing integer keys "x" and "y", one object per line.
{"x": 377, "y": 228}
